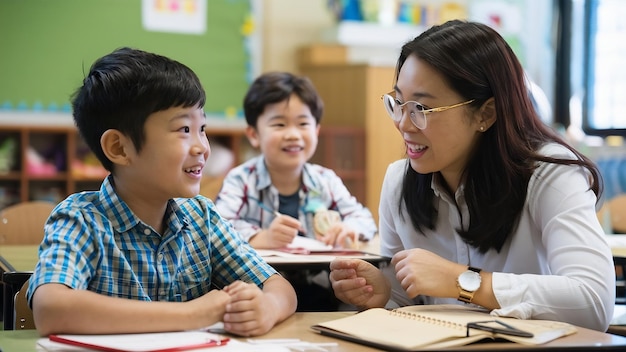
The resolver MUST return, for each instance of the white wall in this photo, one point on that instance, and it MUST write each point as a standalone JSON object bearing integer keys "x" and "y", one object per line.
{"x": 288, "y": 25}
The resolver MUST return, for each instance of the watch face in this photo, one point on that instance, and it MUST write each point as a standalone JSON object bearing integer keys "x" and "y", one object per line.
{"x": 469, "y": 281}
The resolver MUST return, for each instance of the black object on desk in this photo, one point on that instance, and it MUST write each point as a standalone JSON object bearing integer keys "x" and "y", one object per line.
{"x": 313, "y": 297}
{"x": 374, "y": 259}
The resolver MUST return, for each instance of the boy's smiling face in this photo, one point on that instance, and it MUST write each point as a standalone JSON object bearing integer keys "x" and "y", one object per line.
{"x": 286, "y": 132}
{"x": 171, "y": 160}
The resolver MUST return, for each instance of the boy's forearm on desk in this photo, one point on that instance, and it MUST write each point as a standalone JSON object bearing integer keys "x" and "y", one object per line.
{"x": 58, "y": 309}
{"x": 281, "y": 295}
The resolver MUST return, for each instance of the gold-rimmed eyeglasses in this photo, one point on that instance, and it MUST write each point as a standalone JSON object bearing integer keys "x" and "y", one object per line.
{"x": 417, "y": 112}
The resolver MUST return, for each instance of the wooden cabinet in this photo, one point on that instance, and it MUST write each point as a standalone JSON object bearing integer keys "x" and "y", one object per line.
{"x": 341, "y": 149}
{"x": 351, "y": 94}
{"x": 232, "y": 138}
{"x": 229, "y": 148}
{"x": 49, "y": 163}
{"x": 43, "y": 163}
{"x": 66, "y": 165}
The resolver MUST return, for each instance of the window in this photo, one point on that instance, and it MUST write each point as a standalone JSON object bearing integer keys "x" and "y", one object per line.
{"x": 604, "y": 106}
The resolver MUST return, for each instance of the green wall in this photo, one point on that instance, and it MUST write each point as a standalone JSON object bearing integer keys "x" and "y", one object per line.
{"x": 47, "y": 45}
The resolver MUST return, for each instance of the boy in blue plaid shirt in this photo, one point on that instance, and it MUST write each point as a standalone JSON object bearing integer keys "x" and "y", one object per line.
{"x": 146, "y": 253}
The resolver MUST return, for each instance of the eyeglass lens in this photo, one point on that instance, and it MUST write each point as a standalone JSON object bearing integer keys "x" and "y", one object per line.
{"x": 396, "y": 110}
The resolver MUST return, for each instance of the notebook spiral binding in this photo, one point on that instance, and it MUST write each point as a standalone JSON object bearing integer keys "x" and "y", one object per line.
{"x": 426, "y": 319}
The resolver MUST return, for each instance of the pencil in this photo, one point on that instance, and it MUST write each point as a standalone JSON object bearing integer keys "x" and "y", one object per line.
{"x": 270, "y": 210}
{"x": 265, "y": 207}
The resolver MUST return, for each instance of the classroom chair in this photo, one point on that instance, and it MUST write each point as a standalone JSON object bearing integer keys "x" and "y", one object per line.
{"x": 614, "y": 211}
{"x": 16, "y": 313}
{"x": 210, "y": 186}
{"x": 22, "y": 223}
{"x": 23, "y": 314}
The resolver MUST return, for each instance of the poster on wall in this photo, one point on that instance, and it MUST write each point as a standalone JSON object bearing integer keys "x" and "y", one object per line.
{"x": 176, "y": 16}
{"x": 507, "y": 17}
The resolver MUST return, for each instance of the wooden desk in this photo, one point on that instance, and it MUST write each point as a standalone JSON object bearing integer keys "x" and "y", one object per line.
{"x": 18, "y": 257}
{"x": 617, "y": 244}
{"x": 618, "y": 323}
{"x": 618, "y": 251}
{"x": 298, "y": 326}
{"x": 286, "y": 261}
{"x": 24, "y": 258}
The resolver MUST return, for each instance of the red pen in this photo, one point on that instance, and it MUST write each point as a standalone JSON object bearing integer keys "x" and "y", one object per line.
{"x": 150, "y": 342}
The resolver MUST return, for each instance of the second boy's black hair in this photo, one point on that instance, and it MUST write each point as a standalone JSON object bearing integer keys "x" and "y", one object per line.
{"x": 123, "y": 88}
{"x": 274, "y": 87}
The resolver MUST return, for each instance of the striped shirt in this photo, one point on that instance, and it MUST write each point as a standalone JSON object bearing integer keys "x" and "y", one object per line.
{"x": 93, "y": 241}
{"x": 248, "y": 199}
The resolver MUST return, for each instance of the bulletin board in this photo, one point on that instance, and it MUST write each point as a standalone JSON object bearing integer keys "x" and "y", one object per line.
{"x": 46, "y": 47}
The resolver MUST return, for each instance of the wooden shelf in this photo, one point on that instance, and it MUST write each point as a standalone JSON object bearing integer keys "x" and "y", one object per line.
{"x": 351, "y": 95}
{"x": 342, "y": 150}
{"x": 62, "y": 146}
{"x": 12, "y": 175}
{"x": 61, "y": 176}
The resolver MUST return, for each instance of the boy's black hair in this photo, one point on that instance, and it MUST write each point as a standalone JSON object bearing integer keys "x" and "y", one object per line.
{"x": 274, "y": 87}
{"x": 123, "y": 88}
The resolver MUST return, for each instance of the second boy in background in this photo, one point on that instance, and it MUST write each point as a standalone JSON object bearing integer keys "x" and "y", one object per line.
{"x": 272, "y": 198}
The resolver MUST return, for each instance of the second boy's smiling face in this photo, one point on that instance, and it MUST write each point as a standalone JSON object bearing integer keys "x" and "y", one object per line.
{"x": 286, "y": 132}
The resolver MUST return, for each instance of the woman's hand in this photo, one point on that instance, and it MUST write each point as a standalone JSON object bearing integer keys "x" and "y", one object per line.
{"x": 421, "y": 272}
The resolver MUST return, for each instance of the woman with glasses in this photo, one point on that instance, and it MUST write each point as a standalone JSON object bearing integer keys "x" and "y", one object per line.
{"x": 490, "y": 207}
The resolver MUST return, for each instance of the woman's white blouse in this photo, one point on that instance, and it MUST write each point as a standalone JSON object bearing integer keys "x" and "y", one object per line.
{"x": 556, "y": 265}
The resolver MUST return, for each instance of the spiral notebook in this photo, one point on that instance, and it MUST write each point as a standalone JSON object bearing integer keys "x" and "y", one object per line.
{"x": 438, "y": 326}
